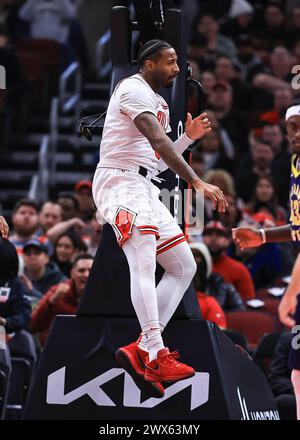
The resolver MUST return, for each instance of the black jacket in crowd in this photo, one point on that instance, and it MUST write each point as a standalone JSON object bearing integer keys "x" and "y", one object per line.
{"x": 16, "y": 307}
{"x": 226, "y": 295}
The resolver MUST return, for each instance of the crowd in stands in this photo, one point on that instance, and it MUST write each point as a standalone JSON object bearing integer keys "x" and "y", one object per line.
{"x": 54, "y": 253}
{"x": 38, "y": 41}
{"x": 242, "y": 54}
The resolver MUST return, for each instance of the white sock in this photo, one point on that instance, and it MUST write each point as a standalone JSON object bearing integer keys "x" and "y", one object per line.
{"x": 154, "y": 342}
{"x": 143, "y": 342}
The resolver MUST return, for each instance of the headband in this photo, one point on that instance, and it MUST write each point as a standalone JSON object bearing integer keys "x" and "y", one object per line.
{"x": 292, "y": 111}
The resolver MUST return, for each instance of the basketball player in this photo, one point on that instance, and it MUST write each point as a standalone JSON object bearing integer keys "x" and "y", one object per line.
{"x": 249, "y": 237}
{"x": 134, "y": 149}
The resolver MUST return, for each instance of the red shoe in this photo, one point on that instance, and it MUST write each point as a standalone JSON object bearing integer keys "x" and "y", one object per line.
{"x": 133, "y": 359}
{"x": 166, "y": 368}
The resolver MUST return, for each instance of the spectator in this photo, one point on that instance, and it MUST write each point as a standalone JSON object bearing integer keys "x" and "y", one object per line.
{"x": 48, "y": 19}
{"x": 255, "y": 163}
{"x": 208, "y": 80}
{"x": 13, "y": 26}
{"x": 50, "y": 215}
{"x": 216, "y": 239}
{"x": 213, "y": 152}
{"x": 92, "y": 235}
{"x": 198, "y": 52}
{"x": 55, "y": 20}
{"x": 241, "y": 20}
{"x": 225, "y": 182}
{"x": 229, "y": 71}
{"x": 63, "y": 298}
{"x": 209, "y": 306}
{"x": 208, "y": 26}
{"x": 83, "y": 193}
{"x": 278, "y": 75}
{"x": 247, "y": 60}
{"x": 280, "y": 378}
{"x": 273, "y": 134}
{"x": 25, "y": 223}
{"x": 266, "y": 262}
{"x": 198, "y": 163}
{"x": 15, "y": 309}
{"x": 221, "y": 178}
{"x": 274, "y": 27}
{"x": 66, "y": 248}
{"x": 213, "y": 284}
{"x": 225, "y": 138}
{"x": 283, "y": 98}
{"x": 39, "y": 274}
{"x": 69, "y": 206}
{"x": 281, "y": 165}
{"x": 264, "y": 200}
{"x": 231, "y": 120}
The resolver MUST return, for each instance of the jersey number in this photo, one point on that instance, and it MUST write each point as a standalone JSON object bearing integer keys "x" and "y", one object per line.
{"x": 295, "y": 213}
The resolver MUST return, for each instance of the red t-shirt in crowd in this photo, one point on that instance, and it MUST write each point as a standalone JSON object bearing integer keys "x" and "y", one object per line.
{"x": 211, "y": 309}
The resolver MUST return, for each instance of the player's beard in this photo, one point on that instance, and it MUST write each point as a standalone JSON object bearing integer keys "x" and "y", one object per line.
{"x": 171, "y": 81}
{"x": 169, "y": 84}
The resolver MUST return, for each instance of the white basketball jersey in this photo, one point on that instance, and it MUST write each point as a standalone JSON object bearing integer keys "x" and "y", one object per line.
{"x": 121, "y": 140}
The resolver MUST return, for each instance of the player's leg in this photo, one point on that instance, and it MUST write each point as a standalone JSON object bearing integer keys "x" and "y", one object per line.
{"x": 140, "y": 251}
{"x": 180, "y": 267}
{"x": 176, "y": 258}
{"x": 161, "y": 366}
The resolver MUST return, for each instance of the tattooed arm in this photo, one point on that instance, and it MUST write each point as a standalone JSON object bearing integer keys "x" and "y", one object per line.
{"x": 149, "y": 126}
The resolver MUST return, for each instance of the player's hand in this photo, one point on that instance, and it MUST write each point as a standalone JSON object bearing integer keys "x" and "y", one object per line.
{"x": 214, "y": 193}
{"x": 4, "y": 229}
{"x": 246, "y": 237}
{"x": 286, "y": 309}
{"x": 196, "y": 128}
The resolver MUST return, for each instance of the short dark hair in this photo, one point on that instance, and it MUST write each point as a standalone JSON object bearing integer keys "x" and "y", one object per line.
{"x": 70, "y": 196}
{"x": 25, "y": 202}
{"x": 77, "y": 242}
{"x": 83, "y": 256}
{"x": 53, "y": 201}
{"x": 151, "y": 50}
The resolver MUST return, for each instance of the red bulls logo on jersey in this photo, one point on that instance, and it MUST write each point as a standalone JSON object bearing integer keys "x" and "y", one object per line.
{"x": 123, "y": 223}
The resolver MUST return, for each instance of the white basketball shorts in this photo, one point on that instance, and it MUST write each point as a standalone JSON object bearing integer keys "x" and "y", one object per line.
{"x": 125, "y": 199}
